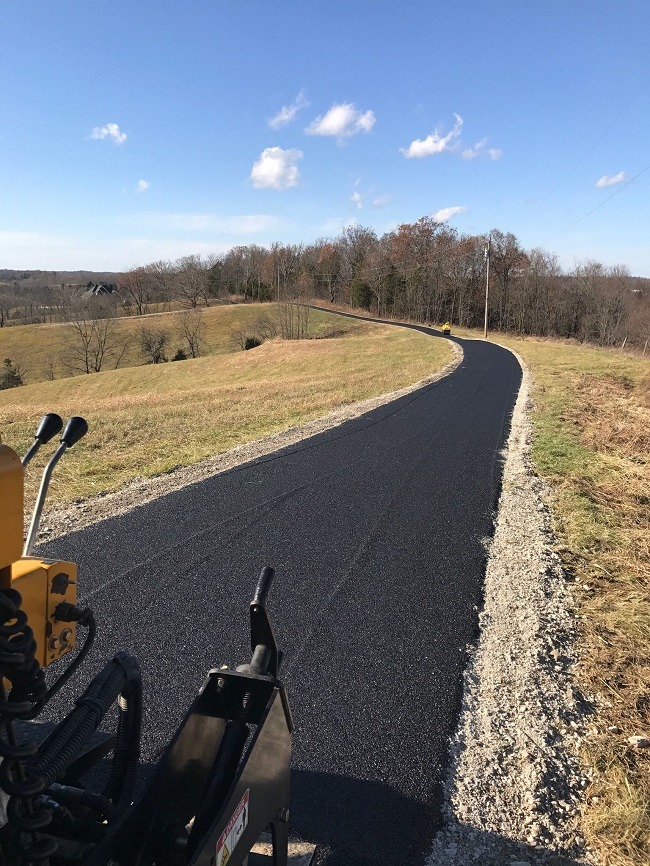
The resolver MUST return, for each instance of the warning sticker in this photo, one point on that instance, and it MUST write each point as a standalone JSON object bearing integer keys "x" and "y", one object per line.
{"x": 233, "y": 831}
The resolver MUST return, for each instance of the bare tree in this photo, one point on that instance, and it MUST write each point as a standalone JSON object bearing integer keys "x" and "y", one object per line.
{"x": 190, "y": 281}
{"x": 153, "y": 342}
{"x": 135, "y": 290}
{"x": 95, "y": 339}
{"x": 6, "y": 303}
{"x": 191, "y": 326}
{"x": 293, "y": 311}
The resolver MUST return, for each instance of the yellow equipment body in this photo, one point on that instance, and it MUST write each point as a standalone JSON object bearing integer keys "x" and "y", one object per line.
{"x": 42, "y": 583}
{"x": 12, "y": 480}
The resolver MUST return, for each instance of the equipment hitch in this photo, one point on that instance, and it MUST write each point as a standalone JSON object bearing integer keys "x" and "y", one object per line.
{"x": 224, "y": 778}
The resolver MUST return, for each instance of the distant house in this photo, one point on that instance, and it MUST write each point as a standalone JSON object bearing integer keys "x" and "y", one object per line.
{"x": 99, "y": 289}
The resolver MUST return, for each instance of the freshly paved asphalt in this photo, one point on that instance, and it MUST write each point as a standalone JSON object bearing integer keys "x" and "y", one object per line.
{"x": 375, "y": 529}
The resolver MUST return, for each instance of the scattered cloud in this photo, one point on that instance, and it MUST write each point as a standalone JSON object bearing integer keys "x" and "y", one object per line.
{"x": 446, "y": 213}
{"x": 289, "y": 112}
{"x": 437, "y": 143}
{"x": 342, "y": 121}
{"x": 381, "y": 201}
{"x": 356, "y": 199}
{"x": 473, "y": 152}
{"x": 434, "y": 143}
{"x": 610, "y": 179}
{"x": 111, "y": 130}
{"x": 143, "y": 185}
{"x": 276, "y": 169}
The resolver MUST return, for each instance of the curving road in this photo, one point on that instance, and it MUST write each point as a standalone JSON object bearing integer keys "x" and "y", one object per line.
{"x": 375, "y": 529}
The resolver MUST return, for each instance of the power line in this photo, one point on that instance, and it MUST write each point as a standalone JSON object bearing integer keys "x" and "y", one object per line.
{"x": 555, "y": 188}
{"x": 598, "y": 205}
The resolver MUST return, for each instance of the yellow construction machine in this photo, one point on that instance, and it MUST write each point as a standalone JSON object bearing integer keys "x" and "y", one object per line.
{"x": 223, "y": 780}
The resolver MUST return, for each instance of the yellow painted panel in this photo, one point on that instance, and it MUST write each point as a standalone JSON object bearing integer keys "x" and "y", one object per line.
{"x": 11, "y": 506}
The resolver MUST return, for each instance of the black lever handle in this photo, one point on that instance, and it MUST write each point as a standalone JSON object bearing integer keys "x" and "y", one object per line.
{"x": 263, "y": 585}
{"x": 48, "y": 427}
{"x": 75, "y": 429}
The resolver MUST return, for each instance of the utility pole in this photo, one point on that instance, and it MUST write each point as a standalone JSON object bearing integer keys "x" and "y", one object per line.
{"x": 487, "y": 285}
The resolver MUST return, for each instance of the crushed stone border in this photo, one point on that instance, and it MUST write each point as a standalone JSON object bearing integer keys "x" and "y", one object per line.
{"x": 514, "y": 787}
{"x": 93, "y": 509}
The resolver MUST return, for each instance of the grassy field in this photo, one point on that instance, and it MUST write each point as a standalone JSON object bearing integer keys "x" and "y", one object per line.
{"x": 42, "y": 351}
{"x": 147, "y": 420}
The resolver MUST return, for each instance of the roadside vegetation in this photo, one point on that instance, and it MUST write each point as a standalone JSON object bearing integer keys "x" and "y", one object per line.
{"x": 150, "y": 419}
{"x": 592, "y": 443}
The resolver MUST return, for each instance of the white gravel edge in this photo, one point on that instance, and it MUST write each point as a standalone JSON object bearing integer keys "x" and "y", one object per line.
{"x": 515, "y": 785}
{"x": 86, "y": 512}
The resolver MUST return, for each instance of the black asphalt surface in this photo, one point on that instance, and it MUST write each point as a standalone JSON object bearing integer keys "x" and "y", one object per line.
{"x": 375, "y": 530}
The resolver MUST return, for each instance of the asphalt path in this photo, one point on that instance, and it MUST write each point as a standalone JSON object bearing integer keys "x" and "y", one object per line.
{"x": 376, "y": 530}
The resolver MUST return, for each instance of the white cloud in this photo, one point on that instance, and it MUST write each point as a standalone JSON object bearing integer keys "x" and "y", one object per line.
{"x": 143, "y": 185}
{"x": 342, "y": 121}
{"x": 289, "y": 112}
{"x": 610, "y": 179}
{"x": 381, "y": 201}
{"x": 111, "y": 130}
{"x": 276, "y": 169}
{"x": 446, "y": 213}
{"x": 434, "y": 143}
{"x": 356, "y": 199}
{"x": 473, "y": 152}
{"x": 495, "y": 152}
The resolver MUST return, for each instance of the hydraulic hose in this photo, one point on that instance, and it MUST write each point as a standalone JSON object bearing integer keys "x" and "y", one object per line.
{"x": 126, "y": 754}
{"x": 68, "y": 740}
{"x": 25, "y": 812}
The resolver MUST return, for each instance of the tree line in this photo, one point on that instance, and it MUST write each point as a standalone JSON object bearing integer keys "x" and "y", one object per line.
{"x": 425, "y": 271}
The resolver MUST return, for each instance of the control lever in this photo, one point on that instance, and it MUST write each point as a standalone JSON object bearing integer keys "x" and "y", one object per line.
{"x": 74, "y": 430}
{"x": 48, "y": 427}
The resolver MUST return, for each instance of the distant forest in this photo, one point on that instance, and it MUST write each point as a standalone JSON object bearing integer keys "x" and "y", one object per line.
{"x": 424, "y": 271}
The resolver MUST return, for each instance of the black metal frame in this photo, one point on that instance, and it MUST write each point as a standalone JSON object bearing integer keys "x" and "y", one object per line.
{"x": 235, "y": 738}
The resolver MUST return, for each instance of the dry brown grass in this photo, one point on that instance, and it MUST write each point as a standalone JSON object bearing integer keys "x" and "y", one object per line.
{"x": 592, "y": 443}
{"x": 41, "y": 350}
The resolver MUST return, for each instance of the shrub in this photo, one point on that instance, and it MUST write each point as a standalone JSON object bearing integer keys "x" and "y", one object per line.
{"x": 10, "y": 376}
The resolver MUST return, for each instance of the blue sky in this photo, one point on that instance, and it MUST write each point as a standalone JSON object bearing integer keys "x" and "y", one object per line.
{"x": 140, "y": 130}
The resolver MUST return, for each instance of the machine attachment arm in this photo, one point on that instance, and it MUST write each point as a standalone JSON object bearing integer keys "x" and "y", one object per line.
{"x": 74, "y": 430}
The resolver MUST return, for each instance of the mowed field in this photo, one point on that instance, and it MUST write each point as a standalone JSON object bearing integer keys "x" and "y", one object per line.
{"x": 150, "y": 419}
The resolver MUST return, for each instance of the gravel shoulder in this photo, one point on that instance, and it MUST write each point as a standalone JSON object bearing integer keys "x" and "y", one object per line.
{"x": 515, "y": 785}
